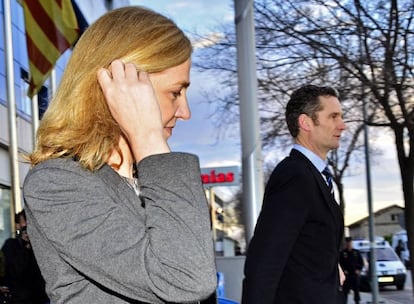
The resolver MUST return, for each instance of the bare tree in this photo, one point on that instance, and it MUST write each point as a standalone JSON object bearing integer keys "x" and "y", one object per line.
{"x": 366, "y": 50}
{"x": 279, "y": 71}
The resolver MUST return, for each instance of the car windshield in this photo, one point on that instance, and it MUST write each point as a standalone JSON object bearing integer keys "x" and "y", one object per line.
{"x": 383, "y": 254}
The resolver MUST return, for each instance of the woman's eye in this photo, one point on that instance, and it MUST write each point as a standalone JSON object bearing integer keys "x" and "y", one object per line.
{"x": 176, "y": 94}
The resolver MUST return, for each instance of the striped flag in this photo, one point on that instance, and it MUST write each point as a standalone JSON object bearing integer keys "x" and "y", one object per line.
{"x": 52, "y": 26}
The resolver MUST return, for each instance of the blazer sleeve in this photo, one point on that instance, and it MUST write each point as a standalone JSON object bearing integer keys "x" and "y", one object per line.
{"x": 164, "y": 251}
{"x": 284, "y": 213}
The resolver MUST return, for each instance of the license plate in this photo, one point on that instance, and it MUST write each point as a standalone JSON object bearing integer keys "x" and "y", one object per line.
{"x": 385, "y": 279}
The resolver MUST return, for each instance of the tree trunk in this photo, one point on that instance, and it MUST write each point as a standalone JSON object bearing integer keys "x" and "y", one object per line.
{"x": 407, "y": 176}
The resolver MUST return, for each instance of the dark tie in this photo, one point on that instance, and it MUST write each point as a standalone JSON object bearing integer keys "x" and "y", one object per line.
{"x": 328, "y": 177}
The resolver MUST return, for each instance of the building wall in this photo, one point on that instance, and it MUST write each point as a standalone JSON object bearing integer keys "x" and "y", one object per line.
{"x": 386, "y": 223}
{"x": 23, "y": 111}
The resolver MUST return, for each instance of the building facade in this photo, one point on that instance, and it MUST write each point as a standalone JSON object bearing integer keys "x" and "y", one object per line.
{"x": 23, "y": 114}
{"x": 387, "y": 221}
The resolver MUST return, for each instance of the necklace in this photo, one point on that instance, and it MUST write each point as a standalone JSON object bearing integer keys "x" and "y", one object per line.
{"x": 132, "y": 183}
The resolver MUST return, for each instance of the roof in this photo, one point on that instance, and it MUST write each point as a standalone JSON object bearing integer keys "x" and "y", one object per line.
{"x": 378, "y": 212}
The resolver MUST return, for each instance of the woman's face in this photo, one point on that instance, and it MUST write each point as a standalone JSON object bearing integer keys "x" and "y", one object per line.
{"x": 170, "y": 87}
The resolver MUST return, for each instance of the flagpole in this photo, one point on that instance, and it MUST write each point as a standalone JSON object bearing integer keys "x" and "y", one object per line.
{"x": 13, "y": 148}
{"x": 35, "y": 117}
{"x": 52, "y": 82}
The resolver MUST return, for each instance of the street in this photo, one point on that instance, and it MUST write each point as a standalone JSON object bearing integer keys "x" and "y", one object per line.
{"x": 390, "y": 295}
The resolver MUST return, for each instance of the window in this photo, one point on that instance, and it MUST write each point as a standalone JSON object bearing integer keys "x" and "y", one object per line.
{"x": 26, "y": 102}
{"x": 5, "y": 217}
{"x": 395, "y": 217}
{"x": 23, "y": 103}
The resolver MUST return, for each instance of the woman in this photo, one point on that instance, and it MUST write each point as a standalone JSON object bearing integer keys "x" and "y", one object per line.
{"x": 113, "y": 215}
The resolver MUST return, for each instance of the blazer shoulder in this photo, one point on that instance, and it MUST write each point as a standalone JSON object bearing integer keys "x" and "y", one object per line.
{"x": 295, "y": 163}
{"x": 58, "y": 174}
{"x": 67, "y": 164}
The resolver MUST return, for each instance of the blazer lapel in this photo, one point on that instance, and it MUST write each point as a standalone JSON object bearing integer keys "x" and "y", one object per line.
{"x": 330, "y": 202}
{"x": 328, "y": 198}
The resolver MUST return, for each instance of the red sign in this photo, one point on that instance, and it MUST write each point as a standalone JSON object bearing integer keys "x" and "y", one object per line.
{"x": 222, "y": 176}
{"x": 213, "y": 178}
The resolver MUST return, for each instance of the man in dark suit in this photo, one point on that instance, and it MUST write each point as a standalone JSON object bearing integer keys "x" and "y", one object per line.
{"x": 351, "y": 263}
{"x": 293, "y": 255}
{"x": 22, "y": 274}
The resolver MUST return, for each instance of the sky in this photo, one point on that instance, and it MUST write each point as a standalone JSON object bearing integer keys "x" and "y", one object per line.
{"x": 199, "y": 135}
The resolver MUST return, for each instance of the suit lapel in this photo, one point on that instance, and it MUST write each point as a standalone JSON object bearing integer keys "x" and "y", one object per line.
{"x": 328, "y": 198}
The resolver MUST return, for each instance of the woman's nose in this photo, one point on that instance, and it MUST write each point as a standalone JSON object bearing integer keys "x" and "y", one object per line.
{"x": 183, "y": 111}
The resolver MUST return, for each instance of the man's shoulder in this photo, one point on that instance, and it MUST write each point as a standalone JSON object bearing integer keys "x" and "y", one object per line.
{"x": 295, "y": 163}
{"x": 9, "y": 244}
{"x": 287, "y": 168}
{"x": 294, "y": 159}
{"x": 11, "y": 240}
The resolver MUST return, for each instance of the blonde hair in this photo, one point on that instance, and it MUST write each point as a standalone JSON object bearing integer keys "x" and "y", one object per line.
{"x": 77, "y": 123}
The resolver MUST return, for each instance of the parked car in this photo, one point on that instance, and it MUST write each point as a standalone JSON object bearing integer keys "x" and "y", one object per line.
{"x": 390, "y": 270}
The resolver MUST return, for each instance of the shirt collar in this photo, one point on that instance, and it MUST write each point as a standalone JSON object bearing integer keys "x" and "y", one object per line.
{"x": 318, "y": 162}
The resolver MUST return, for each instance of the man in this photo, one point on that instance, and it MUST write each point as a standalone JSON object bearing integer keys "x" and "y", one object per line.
{"x": 293, "y": 255}
{"x": 22, "y": 275}
{"x": 351, "y": 262}
{"x": 399, "y": 249}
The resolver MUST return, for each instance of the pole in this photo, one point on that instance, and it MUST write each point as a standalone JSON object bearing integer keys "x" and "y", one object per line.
{"x": 13, "y": 146}
{"x": 249, "y": 116}
{"x": 373, "y": 256}
{"x": 213, "y": 213}
{"x": 53, "y": 85}
{"x": 35, "y": 117}
{"x": 371, "y": 223}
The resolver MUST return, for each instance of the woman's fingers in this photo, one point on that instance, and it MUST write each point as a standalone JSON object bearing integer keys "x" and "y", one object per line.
{"x": 133, "y": 104}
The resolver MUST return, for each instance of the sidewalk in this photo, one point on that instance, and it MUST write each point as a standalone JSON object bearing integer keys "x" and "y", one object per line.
{"x": 366, "y": 298}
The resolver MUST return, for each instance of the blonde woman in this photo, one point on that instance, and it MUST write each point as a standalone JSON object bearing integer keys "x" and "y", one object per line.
{"x": 113, "y": 215}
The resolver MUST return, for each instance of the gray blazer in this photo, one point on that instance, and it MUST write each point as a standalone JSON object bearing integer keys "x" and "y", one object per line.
{"x": 97, "y": 242}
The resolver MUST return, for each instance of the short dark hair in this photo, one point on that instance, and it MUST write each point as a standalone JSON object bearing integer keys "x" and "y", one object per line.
{"x": 17, "y": 216}
{"x": 305, "y": 100}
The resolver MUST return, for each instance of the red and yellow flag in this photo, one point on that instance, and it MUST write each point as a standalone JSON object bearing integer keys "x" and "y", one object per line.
{"x": 51, "y": 28}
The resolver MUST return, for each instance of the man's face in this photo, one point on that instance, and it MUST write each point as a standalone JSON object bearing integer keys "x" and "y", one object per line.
{"x": 326, "y": 131}
{"x": 23, "y": 229}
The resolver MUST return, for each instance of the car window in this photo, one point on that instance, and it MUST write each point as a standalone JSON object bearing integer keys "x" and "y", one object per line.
{"x": 383, "y": 254}
{"x": 386, "y": 254}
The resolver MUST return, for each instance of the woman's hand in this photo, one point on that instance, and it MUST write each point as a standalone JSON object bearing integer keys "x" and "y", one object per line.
{"x": 133, "y": 104}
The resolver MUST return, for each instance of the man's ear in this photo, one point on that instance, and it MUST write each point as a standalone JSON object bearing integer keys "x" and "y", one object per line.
{"x": 304, "y": 122}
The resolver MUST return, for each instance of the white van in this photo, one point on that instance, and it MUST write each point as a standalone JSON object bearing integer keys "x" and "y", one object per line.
{"x": 390, "y": 270}
{"x": 405, "y": 254}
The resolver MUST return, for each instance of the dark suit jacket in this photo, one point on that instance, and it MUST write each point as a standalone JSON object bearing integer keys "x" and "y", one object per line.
{"x": 293, "y": 255}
